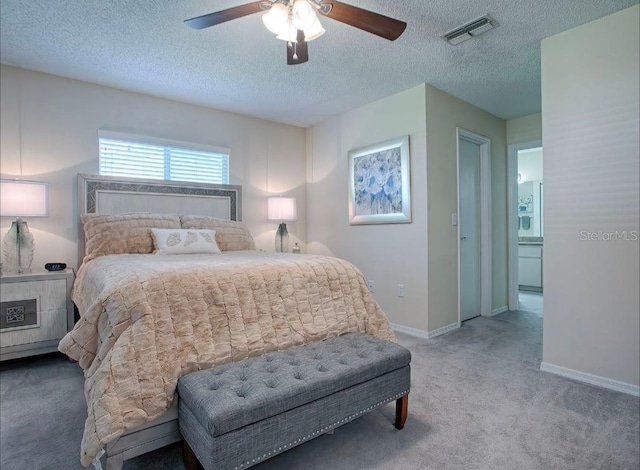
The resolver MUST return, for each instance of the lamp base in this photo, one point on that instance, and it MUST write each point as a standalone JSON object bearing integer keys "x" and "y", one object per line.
{"x": 282, "y": 239}
{"x": 18, "y": 248}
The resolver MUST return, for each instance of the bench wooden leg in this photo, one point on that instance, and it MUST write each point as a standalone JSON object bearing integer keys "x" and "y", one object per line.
{"x": 190, "y": 460}
{"x": 402, "y": 410}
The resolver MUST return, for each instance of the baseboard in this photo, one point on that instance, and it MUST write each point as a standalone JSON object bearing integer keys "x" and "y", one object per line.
{"x": 591, "y": 379}
{"x": 425, "y": 334}
{"x": 502, "y": 309}
{"x": 410, "y": 331}
{"x": 444, "y": 329}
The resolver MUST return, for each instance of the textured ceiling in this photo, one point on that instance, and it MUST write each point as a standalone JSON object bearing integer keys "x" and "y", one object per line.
{"x": 239, "y": 66}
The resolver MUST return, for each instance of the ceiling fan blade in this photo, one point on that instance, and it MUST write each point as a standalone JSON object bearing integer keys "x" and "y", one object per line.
{"x": 380, "y": 25}
{"x": 212, "y": 19}
{"x": 298, "y": 53}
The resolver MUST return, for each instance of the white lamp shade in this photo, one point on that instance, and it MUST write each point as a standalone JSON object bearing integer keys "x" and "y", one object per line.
{"x": 281, "y": 208}
{"x": 289, "y": 33}
{"x": 303, "y": 14}
{"x": 314, "y": 31}
{"x": 276, "y": 18}
{"x": 24, "y": 198}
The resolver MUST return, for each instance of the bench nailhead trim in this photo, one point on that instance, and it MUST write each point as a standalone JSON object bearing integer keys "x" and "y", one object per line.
{"x": 327, "y": 428}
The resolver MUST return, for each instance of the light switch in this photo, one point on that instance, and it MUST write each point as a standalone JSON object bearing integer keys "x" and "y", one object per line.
{"x": 454, "y": 219}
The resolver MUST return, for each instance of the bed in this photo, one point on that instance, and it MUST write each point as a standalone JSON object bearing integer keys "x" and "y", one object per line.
{"x": 148, "y": 319}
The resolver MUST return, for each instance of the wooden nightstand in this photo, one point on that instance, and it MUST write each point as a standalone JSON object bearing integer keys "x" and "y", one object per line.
{"x": 36, "y": 312}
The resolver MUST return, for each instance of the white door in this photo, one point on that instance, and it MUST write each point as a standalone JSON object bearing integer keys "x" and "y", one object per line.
{"x": 469, "y": 221}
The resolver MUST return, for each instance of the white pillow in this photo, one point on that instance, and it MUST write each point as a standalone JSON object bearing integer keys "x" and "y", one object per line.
{"x": 169, "y": 241}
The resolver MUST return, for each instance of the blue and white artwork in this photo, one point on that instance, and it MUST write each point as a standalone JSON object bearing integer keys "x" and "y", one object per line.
{"x": 378, "y": 183}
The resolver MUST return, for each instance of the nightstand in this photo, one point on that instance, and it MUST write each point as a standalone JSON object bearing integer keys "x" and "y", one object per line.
{"x": 35, "y": 312}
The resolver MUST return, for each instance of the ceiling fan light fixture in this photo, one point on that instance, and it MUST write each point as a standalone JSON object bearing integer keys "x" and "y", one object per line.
{"x": 277, "y": 18}
{"x": 314, "y": 31}
{"x": 303, "y": 15}
{"x": 297, "y": 21}
{"x": 288, "y": 33}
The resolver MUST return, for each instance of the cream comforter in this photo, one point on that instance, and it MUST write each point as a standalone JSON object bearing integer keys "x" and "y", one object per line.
{"x": 146, "y": 319}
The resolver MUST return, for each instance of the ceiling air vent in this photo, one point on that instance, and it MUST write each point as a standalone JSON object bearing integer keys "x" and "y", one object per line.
{"x": 470, "y": 30}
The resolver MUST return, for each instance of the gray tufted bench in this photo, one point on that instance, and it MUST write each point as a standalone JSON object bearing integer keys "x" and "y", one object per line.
{"x": 236, "y": 415}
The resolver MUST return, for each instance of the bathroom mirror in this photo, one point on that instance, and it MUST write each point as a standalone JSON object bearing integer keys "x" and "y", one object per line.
{"x": 530, "y": 193}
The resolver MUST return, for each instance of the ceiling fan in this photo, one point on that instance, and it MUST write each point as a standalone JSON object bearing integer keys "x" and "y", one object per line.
{"x": 297, "y": 23}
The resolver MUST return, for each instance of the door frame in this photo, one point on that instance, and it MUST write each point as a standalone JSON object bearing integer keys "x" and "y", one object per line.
{"x": 512, "y": 218}
{"x": 485, "y": 217}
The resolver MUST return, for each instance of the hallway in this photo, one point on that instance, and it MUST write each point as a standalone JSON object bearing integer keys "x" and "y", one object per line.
{"x": 530, "y": 302}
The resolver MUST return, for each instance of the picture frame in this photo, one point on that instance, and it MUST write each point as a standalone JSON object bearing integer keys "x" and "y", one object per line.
{"x": 380, "y": 183}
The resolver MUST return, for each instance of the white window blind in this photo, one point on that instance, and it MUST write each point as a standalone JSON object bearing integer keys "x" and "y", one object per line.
{"x": 147, "y": 157}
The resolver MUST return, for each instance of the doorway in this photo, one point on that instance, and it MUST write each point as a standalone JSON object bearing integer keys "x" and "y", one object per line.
{"x": 473, "y": 218}
{"x": 525, "y": 218}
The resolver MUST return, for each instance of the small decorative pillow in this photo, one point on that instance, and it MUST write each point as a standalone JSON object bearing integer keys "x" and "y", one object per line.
{"x": 184, "y": 241}
{"x": 230, "y": 234}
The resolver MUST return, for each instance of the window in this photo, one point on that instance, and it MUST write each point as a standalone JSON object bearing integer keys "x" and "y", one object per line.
{"x": 148, "y": 157}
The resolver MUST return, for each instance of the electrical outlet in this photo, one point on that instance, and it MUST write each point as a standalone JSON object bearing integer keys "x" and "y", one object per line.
{"x": 371, "y": 285}
{"x": 400, "y": 290}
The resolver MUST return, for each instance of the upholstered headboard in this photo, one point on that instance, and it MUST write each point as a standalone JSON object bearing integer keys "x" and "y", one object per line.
{"x": 117, "y": 195}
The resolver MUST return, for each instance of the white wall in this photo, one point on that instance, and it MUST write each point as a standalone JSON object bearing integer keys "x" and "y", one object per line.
{"x": 423, "y": 259}
{"x": 58, "y": 119}
{"x": 388, "y": 254}
{"x": 590, "y": 110}
{"x": 530, "y": 164}
{"x": 524, "y": 129}
{"x": 444, "y": 113}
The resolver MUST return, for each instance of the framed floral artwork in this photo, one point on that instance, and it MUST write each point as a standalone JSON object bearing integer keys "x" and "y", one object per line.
{"x": 380, "y": 183}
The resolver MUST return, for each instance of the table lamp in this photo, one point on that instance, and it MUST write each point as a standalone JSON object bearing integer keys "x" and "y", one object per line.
{"x": 20, "y": 198}
{"x": 282, "y": 209}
